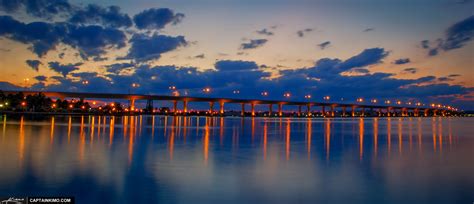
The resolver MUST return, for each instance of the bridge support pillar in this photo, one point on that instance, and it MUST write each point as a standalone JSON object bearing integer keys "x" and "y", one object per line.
{"x": 149, "y": 105}
{"x": 132, "y": 104}
{"x": 362, "y": 114}
{"x": 388, "y": 112}
{"x": 435, "y": 112}
{"x": 323, "y": 111}
{"x": 270, "y": 109}
{"x": 211, "y": 108}
{"x": 332, "y": 111}
{"x": 252, "y": 108}
{"x": 243, "y": 110}
{"x": 343, "y": 111}
{"x": 299, "y": 110}
{"x": 308, "y": 109}
{"x": 185, "y": 106}
{"x": 353, "y": 111}
{"x": 221, "y": 107}
{"x": 280, "y": 107}
{"x": 426, "y": 112}
{"x": 175, "y": 107}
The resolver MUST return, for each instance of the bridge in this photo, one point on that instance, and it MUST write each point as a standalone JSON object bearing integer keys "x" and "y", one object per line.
{"x": 390, "y": 110}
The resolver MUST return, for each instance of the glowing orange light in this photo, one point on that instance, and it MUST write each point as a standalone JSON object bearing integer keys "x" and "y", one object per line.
{"x": 83, "y": 107}
{"x": 307, "y": 96}
{"x": 374, "y": 101}
{"x": 23, "y": 103}
{"x": 206, "y": 90}
{"x": 360, "y": 100}
{"x": 70, "y": 106}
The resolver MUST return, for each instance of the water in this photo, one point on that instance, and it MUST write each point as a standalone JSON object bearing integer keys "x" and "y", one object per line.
{"x": 157, "y": 159}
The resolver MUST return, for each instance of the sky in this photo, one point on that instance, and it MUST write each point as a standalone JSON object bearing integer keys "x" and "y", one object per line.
{"x": 374, "y": 49}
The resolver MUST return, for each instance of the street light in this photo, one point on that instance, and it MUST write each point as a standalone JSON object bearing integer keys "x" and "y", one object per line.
{"x": 373, "y": 100}
{"x": 388, "y": 102}
{"x": 327, "y": 98}
{"x": 287, "y": 95}
{"x": 360, "y": 100}
{"x": 236, "y": 92}
{"x": 307, "y": 96}
{"x": 172, "y": 88}
{"x": 206, "y": 90}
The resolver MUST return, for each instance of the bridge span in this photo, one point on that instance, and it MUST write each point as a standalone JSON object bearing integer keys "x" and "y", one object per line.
{"x": 389, "y": 109}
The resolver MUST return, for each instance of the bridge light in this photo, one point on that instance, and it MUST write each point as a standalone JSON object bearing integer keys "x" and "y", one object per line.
{"x": 54, "y": 105}
{"x": 388, "y": 102}
{"x": 135, "y": 85}
{"x": 360, "y": 100}
{"x": 399, "y": 102}
{"x": 433, "y": 105}
{"x": 327, "y": 98}
{"x": 93, "y": 103}
{"x": 23, "y": 103}
{"x": 85, "y": 82}
{"x": 206, "y": 90}
{"x": 236, "y": 92}
{"x": 71, "y": 106}
{"x": 264, "y": 93}
{"x": 307, "y": 96}
{"x": 373, "y": 100}
{"x": 172, "y": 88}
{"x": 409, "y": 103}
{"x": 287, "y": 95}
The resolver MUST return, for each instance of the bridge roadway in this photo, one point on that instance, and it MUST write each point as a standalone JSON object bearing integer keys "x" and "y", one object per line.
{"x": 185, "y": 99}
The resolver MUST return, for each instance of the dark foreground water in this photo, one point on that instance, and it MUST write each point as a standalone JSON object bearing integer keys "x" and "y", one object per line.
{"x": 146, "y": 159}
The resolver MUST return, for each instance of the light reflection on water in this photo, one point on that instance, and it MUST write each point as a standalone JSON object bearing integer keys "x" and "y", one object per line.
{"x": 183, "y": 159}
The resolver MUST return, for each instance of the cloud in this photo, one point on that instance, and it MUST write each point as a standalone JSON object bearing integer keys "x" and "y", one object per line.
{"x": 200, "y": 56}
{"x": 230, "y": 65}
{"x": 265, "y": 32}
{"x": 34, "y": 64}
{"x": 94, "y": 40}
{"x": 456, "y": 36}
{"x": 118, "y": 67}
{"x": 253, "y": 44}
{"x": 63, "y": 69}
{"x": 368, "y": 30}
{"x": 410, "y": 70}
{"x": 43, "y": 37}
{"x": 94, "y": 14}
{"x": 401, "y": 61}
{"x": 151, "y": 47}
{"x": 41, "y": 78}
{"x": 324, "y": 45}
{"x": 365, "y": 58}
{"x": 301, "y": 33}
{"x": 37, "y": 8}
{"x": 459, "y": 34}
{"x": 326, "y": 77}
{"x": 157, "y": 18}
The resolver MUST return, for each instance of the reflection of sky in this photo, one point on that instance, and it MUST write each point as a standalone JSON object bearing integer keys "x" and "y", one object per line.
{"x": 179, "y": 159}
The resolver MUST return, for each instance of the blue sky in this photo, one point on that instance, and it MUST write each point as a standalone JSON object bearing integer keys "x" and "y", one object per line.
{"x": 406, "y": 50}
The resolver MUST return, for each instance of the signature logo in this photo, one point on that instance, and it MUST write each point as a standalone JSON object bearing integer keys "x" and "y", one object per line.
{"x": 13, "y": 200}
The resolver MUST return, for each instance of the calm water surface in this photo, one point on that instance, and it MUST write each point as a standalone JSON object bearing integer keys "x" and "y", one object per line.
{"x": 157, "y": 159}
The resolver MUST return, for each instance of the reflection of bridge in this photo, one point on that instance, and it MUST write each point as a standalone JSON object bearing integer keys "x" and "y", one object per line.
{"x": 403, "y": 110}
